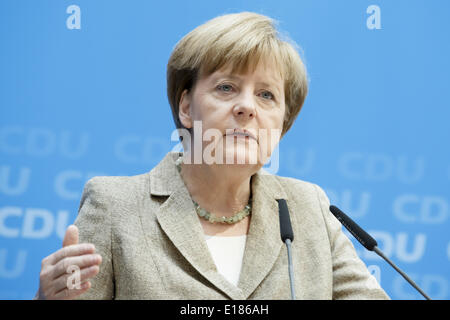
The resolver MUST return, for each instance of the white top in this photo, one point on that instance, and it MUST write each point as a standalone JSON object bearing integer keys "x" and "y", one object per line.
{"x": 227, "y": 253}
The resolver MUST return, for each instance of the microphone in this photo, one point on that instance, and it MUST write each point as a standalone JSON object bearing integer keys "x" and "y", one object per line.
{"x": 287, "y": 236}
{"x": 369, "y": 243}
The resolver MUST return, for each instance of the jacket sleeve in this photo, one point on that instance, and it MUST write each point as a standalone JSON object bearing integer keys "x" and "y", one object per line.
{"x": 94, "y": 225}
{"x": 351, "y": 278}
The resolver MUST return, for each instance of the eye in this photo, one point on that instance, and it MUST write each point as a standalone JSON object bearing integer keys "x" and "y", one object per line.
{"x": 268, "y": 95}
{"x": 225, "y": 87}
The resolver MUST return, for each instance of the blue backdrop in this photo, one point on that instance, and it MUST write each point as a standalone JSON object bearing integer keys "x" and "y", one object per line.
{"x": 83, "y": 93}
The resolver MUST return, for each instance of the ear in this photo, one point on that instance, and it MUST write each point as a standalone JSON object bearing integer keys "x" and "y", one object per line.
{"x": 184, "y": 109}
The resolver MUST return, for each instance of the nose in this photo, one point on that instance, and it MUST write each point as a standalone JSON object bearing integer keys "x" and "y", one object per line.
{"x": 244, "y": 108}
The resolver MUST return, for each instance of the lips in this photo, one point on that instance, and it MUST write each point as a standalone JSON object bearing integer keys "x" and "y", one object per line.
{"x": 243, "y": 132}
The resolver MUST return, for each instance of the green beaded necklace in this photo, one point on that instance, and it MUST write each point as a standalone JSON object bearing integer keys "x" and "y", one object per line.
{"x": 212, "y": 218}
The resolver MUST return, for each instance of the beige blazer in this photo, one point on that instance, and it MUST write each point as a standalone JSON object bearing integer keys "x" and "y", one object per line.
{"x": 153, "y": 246}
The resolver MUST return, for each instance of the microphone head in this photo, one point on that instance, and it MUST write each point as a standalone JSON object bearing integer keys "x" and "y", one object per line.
{"x": 285, "y": 221}
{"x": 363, "y": 237}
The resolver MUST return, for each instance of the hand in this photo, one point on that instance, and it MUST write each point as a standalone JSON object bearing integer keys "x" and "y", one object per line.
{"x": 54, "y": 281}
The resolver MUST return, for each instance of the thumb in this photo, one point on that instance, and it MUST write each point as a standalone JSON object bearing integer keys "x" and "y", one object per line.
{"x": 71, "y": 236}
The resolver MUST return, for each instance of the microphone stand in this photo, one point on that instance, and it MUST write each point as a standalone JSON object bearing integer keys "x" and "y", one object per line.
{"x": 291, "y": 271}
{"x": 380, "y": 253}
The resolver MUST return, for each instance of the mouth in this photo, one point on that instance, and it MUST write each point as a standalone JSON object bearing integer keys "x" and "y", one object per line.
{"x": 241, "y": 133}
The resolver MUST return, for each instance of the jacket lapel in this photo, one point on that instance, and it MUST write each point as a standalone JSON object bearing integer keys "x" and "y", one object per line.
{"x": 178, "y": 219}
{"x": 263, "y": 239}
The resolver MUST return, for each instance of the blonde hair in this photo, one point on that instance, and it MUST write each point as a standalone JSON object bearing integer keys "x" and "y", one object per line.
{"x": 239, "y": 40}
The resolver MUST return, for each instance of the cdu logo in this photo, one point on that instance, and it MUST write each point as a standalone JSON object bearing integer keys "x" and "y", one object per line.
{"x": 381, "y": 167}
{"x": 410, "y": 208}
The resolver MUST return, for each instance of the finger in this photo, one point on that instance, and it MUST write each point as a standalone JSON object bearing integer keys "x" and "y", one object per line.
{"x": 83, "y": 261}
{"x": 64, "y": 282}
{"x": 71, "y": 236}
{"x": 70, "y": 251}
{"x": 68, "y": 294}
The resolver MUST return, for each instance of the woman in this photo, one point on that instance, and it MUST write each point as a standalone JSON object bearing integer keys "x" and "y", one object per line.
{"x": 204, "y": 224}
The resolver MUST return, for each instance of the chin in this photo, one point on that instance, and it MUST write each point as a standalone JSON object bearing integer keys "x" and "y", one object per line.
{"x": 241, "y": 157}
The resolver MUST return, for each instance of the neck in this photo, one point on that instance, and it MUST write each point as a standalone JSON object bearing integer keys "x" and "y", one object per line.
{"x": 220, "y": 189}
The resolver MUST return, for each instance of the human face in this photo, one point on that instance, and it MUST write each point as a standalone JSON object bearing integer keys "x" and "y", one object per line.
{"x": 229, "y": 104}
